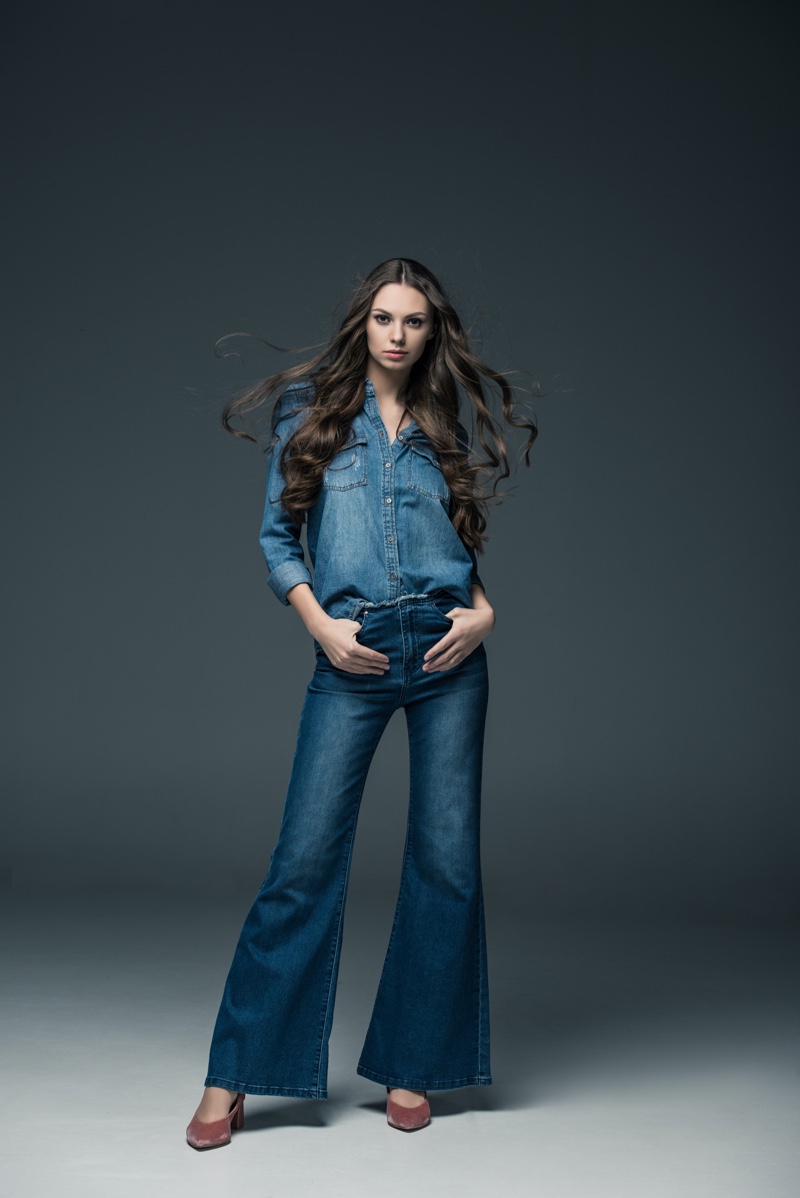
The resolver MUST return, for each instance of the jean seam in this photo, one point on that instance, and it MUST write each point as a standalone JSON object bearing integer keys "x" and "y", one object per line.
{"x": 337, "y": 937}
{"x": 228, "y": 1083}
{"x": 404, "y": 626}
{"x": 400, "y": 891}
{"x": 392, "y": 1038}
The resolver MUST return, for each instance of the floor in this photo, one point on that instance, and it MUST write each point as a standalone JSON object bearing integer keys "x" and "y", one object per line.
{"x": 630, "y": 1061}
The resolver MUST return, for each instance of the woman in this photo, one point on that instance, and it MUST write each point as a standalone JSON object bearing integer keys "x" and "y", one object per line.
{"x": 368, "y": 451}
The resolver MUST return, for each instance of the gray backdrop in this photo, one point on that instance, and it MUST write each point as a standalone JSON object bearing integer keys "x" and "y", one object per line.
{"x": 609, "y": 191}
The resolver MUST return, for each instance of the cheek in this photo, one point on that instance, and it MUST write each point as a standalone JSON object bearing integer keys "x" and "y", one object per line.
{"x": 417, "y": 346}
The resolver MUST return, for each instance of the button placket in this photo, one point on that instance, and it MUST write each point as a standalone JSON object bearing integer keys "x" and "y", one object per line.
{"x": 387, "y": 494}
{"x": 390, "y": 530}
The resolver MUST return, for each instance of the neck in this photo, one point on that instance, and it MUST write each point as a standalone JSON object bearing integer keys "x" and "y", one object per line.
{"x": 388, "y": 384}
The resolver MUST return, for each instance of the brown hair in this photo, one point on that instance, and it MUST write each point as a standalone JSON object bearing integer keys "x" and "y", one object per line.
{"x": 431, "y": 397}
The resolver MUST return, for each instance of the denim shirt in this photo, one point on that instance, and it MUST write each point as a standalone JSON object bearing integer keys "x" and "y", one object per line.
{"x": 380, "y": 526}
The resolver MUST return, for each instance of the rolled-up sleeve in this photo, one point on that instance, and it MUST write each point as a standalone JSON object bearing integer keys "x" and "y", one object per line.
{"x": 279, "y": 538}
{"x": 475, "y": 576}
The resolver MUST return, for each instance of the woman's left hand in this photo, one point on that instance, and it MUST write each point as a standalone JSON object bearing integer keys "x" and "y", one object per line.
{"x": 471, "y": 625}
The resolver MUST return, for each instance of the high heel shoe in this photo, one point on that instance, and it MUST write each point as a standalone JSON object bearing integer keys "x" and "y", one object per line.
{"x": 406, "y": 1118}
{"x": 214, "y": 1135}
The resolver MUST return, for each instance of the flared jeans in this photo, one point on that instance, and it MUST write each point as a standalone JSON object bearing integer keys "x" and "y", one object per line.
{"x": 429, "y": 1028}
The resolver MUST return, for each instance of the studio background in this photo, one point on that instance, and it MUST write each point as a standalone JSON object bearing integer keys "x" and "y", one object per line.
{"x": 609, "y": 195}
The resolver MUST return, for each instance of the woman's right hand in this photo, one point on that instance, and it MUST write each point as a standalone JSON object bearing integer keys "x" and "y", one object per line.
{"x": 337, "y": 637}
{"x": 339, "y": 644}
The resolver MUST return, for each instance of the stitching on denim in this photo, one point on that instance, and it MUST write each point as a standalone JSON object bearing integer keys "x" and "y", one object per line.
{"x": 442, "y": 495}
{"x": 340, "y": 913}
{"x": 404, "y": 631}
{"x": 360, "y": 457}
{"x": 423, "y": 1083}
{"x": 228, "y": 1083}
{"x": 337, "y": 937}
{"x": 399, "y": 904}
{"x": 385, "y": 603}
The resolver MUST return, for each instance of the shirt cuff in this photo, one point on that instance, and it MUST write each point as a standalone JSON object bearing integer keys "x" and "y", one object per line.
{"x": 286, "y": 576}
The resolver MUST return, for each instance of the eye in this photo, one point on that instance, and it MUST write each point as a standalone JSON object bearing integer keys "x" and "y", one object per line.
{"x": 381, "y": 317}
{"x": 415, "y": 321}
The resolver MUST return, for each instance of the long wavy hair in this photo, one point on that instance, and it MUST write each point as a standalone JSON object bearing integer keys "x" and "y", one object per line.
{"x": 335, "y": 395}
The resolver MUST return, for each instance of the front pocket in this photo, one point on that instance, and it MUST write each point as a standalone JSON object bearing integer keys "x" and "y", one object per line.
{"x": 347, "y": 468}
{"x": 425, "y": 473}
{"x": 441, "y": 608}
{"x": 361, "y": 619}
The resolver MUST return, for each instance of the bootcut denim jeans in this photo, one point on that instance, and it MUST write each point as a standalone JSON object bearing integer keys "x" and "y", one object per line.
{"x": 429, "y": 1028}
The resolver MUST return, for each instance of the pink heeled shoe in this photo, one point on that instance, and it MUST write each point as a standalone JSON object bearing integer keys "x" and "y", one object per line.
{"x": 214, "y": 1135}
{"x": 406, "y": 1118}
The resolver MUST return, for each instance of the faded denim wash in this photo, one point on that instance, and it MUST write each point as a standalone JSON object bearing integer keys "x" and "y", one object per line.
{"x": 384, "y": 554}
{"x": 380, "y": 527}
{"x": 429, "y": 1028}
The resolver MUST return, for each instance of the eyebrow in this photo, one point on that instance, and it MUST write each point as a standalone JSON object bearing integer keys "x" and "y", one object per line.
{"x": 384, "y": 311}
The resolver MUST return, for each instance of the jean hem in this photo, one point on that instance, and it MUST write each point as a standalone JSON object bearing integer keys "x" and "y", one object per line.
{"x": 422, "y": 1083}
{"x": 228, "y": 1083}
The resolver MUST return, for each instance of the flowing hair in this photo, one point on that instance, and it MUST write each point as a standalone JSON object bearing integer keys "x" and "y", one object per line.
{"x": 335, "y": 395}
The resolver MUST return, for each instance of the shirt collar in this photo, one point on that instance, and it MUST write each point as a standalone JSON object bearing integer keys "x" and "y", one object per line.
{"x": 411, "y": 431}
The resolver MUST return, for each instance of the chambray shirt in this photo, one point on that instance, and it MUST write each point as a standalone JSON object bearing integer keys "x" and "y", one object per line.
{"x": 379, "y": 528}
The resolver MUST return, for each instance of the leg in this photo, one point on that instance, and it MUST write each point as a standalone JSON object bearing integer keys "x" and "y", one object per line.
{"x": 430, "y": 1024}
{"x": 272, "y": 1030}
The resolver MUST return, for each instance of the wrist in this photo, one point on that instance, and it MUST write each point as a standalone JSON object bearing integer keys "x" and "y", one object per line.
{"x": 486, "y": 611}
{"x": 317, "y": 623}
{"x": 301, "y": 597}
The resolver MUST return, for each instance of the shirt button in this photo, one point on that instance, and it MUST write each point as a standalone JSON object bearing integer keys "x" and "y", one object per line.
{"x": 381, "y": 434}
{"x": 393, "y": 576}
{"x": 390, "y": 538}
{"x": 388, "y": 500}
{"x": 388, "y": 465}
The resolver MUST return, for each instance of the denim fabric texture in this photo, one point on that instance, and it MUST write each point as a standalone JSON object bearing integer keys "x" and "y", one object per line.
{"x": 429, "y": 1028}
{"x": 380, "y": 527}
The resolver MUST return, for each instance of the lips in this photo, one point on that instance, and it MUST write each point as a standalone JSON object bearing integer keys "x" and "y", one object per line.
{"x": 395, "y": 353}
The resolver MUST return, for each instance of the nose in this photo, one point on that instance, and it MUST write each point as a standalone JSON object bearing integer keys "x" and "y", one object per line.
{"x": 398, "y": 335}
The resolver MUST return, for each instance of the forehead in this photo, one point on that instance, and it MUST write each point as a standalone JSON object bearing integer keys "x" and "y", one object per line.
{"x": 401, "y": 300}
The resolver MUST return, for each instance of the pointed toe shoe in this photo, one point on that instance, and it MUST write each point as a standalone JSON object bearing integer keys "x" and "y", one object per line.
{"x": 214, "y": 1135}
{"x": 406, "y": 1118}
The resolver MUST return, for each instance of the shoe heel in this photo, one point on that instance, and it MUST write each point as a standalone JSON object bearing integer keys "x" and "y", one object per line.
{"x": 237, "y": 1122}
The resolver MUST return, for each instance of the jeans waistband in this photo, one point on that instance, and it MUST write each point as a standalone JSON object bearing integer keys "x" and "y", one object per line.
{"x": 360, "y": 605}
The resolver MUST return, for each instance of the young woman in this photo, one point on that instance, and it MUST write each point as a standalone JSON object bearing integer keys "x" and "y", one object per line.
{"x": 368, "y": 451}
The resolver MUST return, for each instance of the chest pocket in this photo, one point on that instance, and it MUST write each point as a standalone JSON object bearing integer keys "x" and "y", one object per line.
{"x": 425, "y": 473}
{"x": 347, "y": 468}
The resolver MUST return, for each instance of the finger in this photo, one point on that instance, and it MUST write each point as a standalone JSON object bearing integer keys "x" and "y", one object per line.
{"x": 438, "y": 664}
{"x": 440, "y": 646}
{"x": 446, "y": 660}
{"x": 351, "y": 666}
{"x": 365, "y": 654}
{"x": 366, "y": 665}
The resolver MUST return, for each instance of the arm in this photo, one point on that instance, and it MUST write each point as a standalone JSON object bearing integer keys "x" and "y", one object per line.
{"x": 475, "y": 577}
{"x": 479, "y": 600}
{"x": 290, "y": 577}
{"x": 279, "y": 537}
{"x": 471, "y": 625}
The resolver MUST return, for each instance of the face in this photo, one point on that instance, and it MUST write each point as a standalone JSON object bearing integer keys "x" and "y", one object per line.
{"x": 399, "y": 324}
